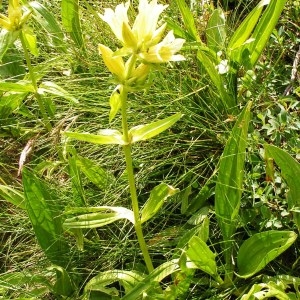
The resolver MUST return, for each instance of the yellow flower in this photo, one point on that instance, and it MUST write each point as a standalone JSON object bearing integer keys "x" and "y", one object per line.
{"x": 164, "y": 51}
{"x": 16, "y": 19}
{"x": 115, "y": 64}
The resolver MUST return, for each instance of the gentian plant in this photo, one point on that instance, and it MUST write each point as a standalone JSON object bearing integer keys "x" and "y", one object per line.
{"x": 143, "y": 46}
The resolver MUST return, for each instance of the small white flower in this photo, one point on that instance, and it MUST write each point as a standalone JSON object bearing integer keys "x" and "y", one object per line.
{"x": 223, "y": 67}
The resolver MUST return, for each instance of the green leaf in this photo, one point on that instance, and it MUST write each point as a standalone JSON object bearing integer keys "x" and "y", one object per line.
{"x": 94, "y": 173}
{"x": 54, "y": 89}
{"x": 45, "y": 215}
{"x": 115, "y": 102}
{"x": 30, "y": 41}
{"x": 145, "y": 132}
{"x": 105, "y": 137}
{"x": 215, "y": 30}
{"x": 93, "y": 217}
{"x": 128, "y": 279}
{"x": 264, "y": 29}
{"x": 188, "y": 19}
{"x": 157, "y": 275}
{"x": 261, "y": 248}
{"x": 290, "y": 170}
{"x": 243, "y": 32}
{"x": 7, "y": 38}
{"x": 157, "y": 197}
{"x": 71, "y": 21}
{"x": 229, "y": 185}
{"x": 21, "y": 86}
{"x": 203, "y": 258}
{"x": 64, "y": 285}
{"x": 12, "y": 196}
{"x": 46, "y": 19}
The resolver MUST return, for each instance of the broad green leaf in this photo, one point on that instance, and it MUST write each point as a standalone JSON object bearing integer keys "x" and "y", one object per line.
{"x": 188, "y": 19}
{"x": 145, "y": 132}
{"x": 199, "y": 216}
{"x": 63, "y": 285}
{"x": 93, "y": 217}
{"x": 71, "y": 21}
{"x": 54, "y": 89}
{"x": 30, "y": 41}
{"x": 229, "y": 185}
{"x": 157, "y": 198}
{"x": 215, "y": 30}
{"x": 264, "y": 29}
{"x": 261, "y": 248}
{"x": 12, "y": 196}
{"x": 243, "y": 32}
{"x": 203, "y": 258}
{"x": 128, "y": 279}
{"x": 290, "y": 170}
{"x": 94, "y": 173}
{"x": 21, "y": 86}
{"x": 47, "y": 20}
{"x": 105, "y": 137}
{"x": 161, "y": 272}
{"x": 7, "y": 38}
{"x": 115, "y": 102}
{"x": 45, "y": 215}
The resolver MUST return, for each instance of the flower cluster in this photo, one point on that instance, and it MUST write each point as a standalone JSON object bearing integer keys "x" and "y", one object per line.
{"x": 15, "y": 19}
{"x": 144, "y": 40}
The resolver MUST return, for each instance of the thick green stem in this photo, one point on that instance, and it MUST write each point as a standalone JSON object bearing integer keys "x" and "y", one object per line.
{"x": 34, "y": 83}
{"x": 131, "y": 181}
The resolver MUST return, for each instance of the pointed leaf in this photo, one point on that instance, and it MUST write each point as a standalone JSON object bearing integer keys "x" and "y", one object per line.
{"x": 188, "y": 19}
{"x": 230, "y": 178}
{"x": 54, "y": 89}
{"x": 215, "y": 30}
{"x": 105, "y": 137}
{"x": 200, "y": 254}
{"x": 115, "y": 102}
{"x": 93, "y": 217}
{"x": 30, "y": 40}
{"x": 264, "y": 29}
{"x": 243, "y": 32}
{"x": 261, "y": 248}
{"x": 145, "y": 132}
{"x": 290, "y": 170}
{"x": 157, "y": 197}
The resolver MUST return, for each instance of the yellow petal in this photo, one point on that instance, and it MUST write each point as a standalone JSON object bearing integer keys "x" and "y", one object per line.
{"x": 114, "y": 64}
